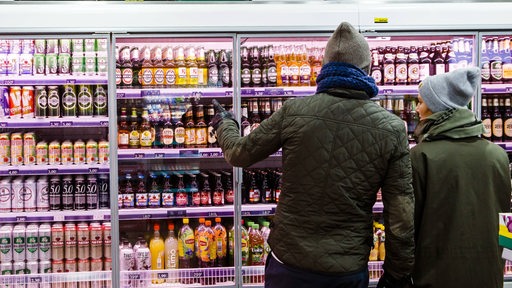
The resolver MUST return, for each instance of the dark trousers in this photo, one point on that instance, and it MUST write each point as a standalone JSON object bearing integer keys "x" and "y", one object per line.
{"x": 279, "y": 275}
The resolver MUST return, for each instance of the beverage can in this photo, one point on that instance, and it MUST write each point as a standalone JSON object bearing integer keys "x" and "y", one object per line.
{"x": 66, "y": 149}
{"x": 79, "y": 152}
{"x": 100, "y": 100}
{"x": 27, "y": 46}
{"x": 27, "y": 101}
{"x": 14, "y": 46}
{"x": 103, "y": 152}
{"x": 6, "y": 249}
{"x": 107, "y": 240}
{"x": 41, "y": 99}
{"x": 42, "y": 199}
{"x": 29, "y": 148}
{"x": 96, "y": 264}
{"x": 67, "y": 193}
{"x": 83, "y": 265}
{"x": 80, "y": 192}
{"x": 64, "y": 46}
{"x": 42, "y": 153}
{"x": 5, "y": 149}
{"x": 51, "y": 64}
{"x": 91, "y": 152}
{"x": 64, "y": 63}
{"x": 84, "y": 98}
{"x": 102, "y": 63}
{"x": 17, "y": 194}
{"x": 58, "y": 266}
{"x": 96, "y": 237}
{"x": 77, "y": 45}
{"x": 54, "y": 153}
{"x": 32, "y": 236}
{"x": 29, "y": 194}
{"x": 3, "y": 59}
{"x": 15, "y": 102}
{"x": 91, "y": 193}
{"x": 103, "y": 192}
{"x": 26, "y": 64}
{"x": 39, "y": 64}
{"x": 70, "y": 241}
{"x": 52, "y": 46}
{"x": 18, "y": 267}
{"x": 4, "y": 101}
{"x": 45, "y": 266}
{"x": 90, "y": 64}
{"x": 53, "y": 101}
{"x": 101, "y": 45}
{"x": 69, "y": 101}
{"x": 13, "y": 64}
{"x": 6, "y": 268}
{"x": 84, "y": 241}
{"x": 77, "y": 64}
{"x": 89, "y": 45}
{"x": 4, "y": 46}
{"x": 5, "y": 195}
{"x": 45, "y": 242}
{"x": 16, "y": 149}
{"x": 19, "y": 243}
{"x": 107, "y": 264}
{"x": 55, "y": 194}
{"x": 57, "y": 243}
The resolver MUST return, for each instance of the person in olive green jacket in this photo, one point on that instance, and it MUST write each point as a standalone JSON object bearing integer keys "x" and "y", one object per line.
{"x": 339, "y": 148}
{"x": 461, "y": 182}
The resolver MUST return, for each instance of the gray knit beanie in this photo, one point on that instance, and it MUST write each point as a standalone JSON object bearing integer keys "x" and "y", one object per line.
{"x": 349, "y": 46}
{"x": 450, "y": 90}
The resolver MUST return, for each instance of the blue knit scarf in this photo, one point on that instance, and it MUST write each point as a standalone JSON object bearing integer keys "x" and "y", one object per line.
{"x": 343, "y": 75}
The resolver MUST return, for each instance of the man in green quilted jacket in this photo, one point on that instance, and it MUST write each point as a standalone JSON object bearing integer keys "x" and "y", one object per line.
{"x": 339, "y": 149}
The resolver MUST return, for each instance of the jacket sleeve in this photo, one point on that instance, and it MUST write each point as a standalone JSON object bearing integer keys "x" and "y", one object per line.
{"x": 420, "y": 188}
{"x": 258, "y": 145}
{"x": 398, "y": 199}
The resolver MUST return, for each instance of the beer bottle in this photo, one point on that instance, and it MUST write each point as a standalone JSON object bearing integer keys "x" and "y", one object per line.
{"x": 264, "y": 66}
{"x": 190, "y": 129}
{"x": 484, "y": 62}
{"x": 451, "y": 57}
{"x": 389, "y": 66}
{"x": 192, "y": 68}
{"x": 146, "y": 68}
{"x": 145, "y": 134}
{"x": 213, "y": 70}
{"x": 412, "y": 119}
{"x": 212, "y": 135}
{"x": 507, "y": 61}
{"x": 156, "y": 121}
{"x": 179, "y": 130}
{"x": 201, "y": 128}
{"x": 413, "y": 67}
{"x": 401, "y": 66}
{"x": 245, "y": 124}
{"x": 202, "y": 68}
{"x": 282, "y": 68}
{"x": 168, "y": 130}
{"x": 126, "y": 67}
{"x": 224, "y": 72}
{"x": 486, "y": 119}
{"x": 134, "y": 139}
{"x": 507, "y": 121}
{"x": 181, "y": 67}
{"x": 230, "y": 65}
{"x": 497, "y": 122}
{"x": 255, "y": 116}
{"x": 169, "y": 68}
{"x": 438, "y": 60}
{"x": 305, "y": 68}
{"x": 375, "y": 70}
{"x": 293, "y": 66}
{"x": 158, "y": 67}
{"x": 495, "y": 62}
{"x": 245, "y": 67}
{"x": 118, "y": 68}
{"x": 123, "y": 133}
{"x": 136, "y": 67}
{"x": 272, "y": 69}
{"x": 424, "y": 63}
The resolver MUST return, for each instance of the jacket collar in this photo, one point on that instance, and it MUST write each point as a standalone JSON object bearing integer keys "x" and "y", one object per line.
{"x": 348, "y": 93}
{"x": 449, "y": 124}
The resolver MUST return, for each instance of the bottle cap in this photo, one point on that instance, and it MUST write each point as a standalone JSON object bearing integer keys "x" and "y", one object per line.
{"x": 185, "y": 220}
{"x": 201, "y": 220}
{"x": 170, "y": 226}
{"x": 208, "y": 223}
{"x": 217, "y": 219}
{"x": 156, "y": 227}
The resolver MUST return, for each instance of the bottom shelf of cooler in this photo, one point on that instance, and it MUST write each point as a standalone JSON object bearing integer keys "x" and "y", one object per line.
{"x": 58, "y": 280}
{"x": 204, "y": 277}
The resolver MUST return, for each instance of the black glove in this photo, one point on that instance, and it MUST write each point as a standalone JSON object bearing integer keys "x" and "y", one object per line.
{"x": 221, "y": 115}
{"x": 388, "y": 281}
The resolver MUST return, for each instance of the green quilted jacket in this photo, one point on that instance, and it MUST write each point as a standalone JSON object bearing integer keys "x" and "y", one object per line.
{"x": 338, "y": 151}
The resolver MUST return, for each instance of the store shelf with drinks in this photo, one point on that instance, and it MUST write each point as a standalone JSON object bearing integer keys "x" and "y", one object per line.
{"x": 98, "y": 278}
{"x": 29, "y": 216}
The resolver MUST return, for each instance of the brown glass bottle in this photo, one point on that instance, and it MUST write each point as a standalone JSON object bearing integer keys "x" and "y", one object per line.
{"x": 255, "y": 68}
{"x": 169, "y": 67}
{"x": 201, "y": 128}
{"x": 486, "y": 119}
{"x": 272, "y": 68}
{"x": 212, "y": 135}
{"x": 507, "y": 121}
{"x": 179, "y": 131}
{"x": 401, "y": 66}
{"x": 376, "y": 69}
{"x": 136, "y": 67}
{"x": 158, "y": 67}
{"x": 413, "y": 67}
{"x": 123, "y": 132}
{"x": 424, "y": 63}
{"x": 497, "y": 121}
{"x": 134, "y": 139}
{"x": 254, "y": 112}
{"x": 167, "y": 138}
{"x": 126, "y": 67}
{"x": 389, "y": 66}
{"x": 145, "y": 134}
{"x": 495, "y": 63}
{"x": 245, "y": 124}
{"x": 190, "y": 129}
{"x": 202, "y": 68}
{"x": 245, "y": 67}
{"x": 438, "y": 61}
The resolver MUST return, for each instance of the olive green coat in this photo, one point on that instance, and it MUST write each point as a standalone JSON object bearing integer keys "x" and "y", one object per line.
{"x": 461, "y": 183}
{"x": 338, "y": 151}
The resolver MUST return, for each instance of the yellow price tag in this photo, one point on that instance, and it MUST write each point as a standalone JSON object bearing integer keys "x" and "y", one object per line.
{"x": 380, "y": 20}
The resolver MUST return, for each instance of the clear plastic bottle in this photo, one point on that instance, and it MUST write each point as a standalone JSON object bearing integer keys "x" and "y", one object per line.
{"x": 265, "y": 231}
{"x": 143, "y": 263}
{"x": 171, "y": 252}
{"x": 186, "y": 248}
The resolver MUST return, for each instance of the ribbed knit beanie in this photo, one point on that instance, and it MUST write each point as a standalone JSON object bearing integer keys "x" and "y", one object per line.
{"x": 347, "y": 45}
{"x": 450, "y": 90}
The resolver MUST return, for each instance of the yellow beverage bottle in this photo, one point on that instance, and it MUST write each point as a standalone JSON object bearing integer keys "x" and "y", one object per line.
{"x": 180, "y": 66}
{"x": 157, "y": 249}
{"x": 293, "y": 66}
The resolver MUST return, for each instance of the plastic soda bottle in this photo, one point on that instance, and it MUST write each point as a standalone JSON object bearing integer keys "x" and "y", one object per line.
{"x": 221, "y": 245}
{"x": 198, "y": 230}
{"x": 171, "y": 251}
{"x": 157, "y": 247}
{"x": 185, "y": 248}
{"x": 143, "y": 263}
{"x": 265, "y": 231}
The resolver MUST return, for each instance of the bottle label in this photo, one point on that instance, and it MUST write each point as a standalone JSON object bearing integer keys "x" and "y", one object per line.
{"x": 167, "y": 199}
{"x": 159, "y": 76}
{"x": 272, "y": 75}
{"x": 424, "y": 70}
{"x": 180, "y": 135}
{"x": 488, "y": 127}
{"x": 305, "y": 73}
{"x": 226, "y": 75}
{"x": 141, "y": 200}
{"x": 134, "y": 138}
{"x": 377, "y": 76}
{"x": 123, "y": 139}
{"x": 485, "y": 70}
{"x": 201, "y": 136}
{"x": 146, "y": 138}
{"x": 507, "y": 70}
{"x": 212, "y": 135}
{"x": 414, "y": 72}
{"x": 401, "y": 72}
{"x": 147, "y": 76}
{"x": 294, "y": 74}
{"x": 190, "y": 138}
{"x": 118, "y": 76}
{"x": 496, "y": 70}
{"x": 213, "y": 76}
{"x": 186, "y": 244}
{"x": 246, "y": 76}
{"x": 389, "y": 72}
{"x": 154, "y": 199}
{"x": 170, "y": 76}
{"x": 256, "y": 76}
{"x": 440, "y": 69}
{"x": 497, "y": 127}
{"x": 167, "y": 136}
{"x": 127, "y": 76}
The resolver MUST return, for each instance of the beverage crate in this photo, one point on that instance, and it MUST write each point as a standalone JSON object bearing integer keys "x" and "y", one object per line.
{"x": 205, "y": 277}
{"x": 96, "y": 279}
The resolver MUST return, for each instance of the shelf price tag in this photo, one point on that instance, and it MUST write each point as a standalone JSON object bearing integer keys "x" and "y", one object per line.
{"x": 159, "y": 155}
{"x": 247, "y": 92}
{"x": 211, "y": 154}
{"x": 67, "y": 123}
{"x": 176, "y": 213}
{"x": 198, "y": 274}
{"x": 146, "y": 216}
{"x": 387, "y": 91}
{"x": 259, "y": 93}
{"x": 508, "y": 89}
{"x": 21, "y": 218}
{"x": 139, "y": 155}
{"x": 163, "y": 275}
{"x": 246, "y": 213}
{"x": 3, "y": 124}
{"x": 121, "y": 95}
{"x": 189, "y": 153}
{"x": 53, "y": 171}
{"x": 70, "y": 81}
{"x": 212, "y": 214}
{"x": 144, "y": 93}
{"x": 273, "y": 91}
{"x": 104, "y": 123}
{"x": 13, "y": 171}
{"x": 9, "y": 82}
{"x": 134, "y": 276}
{"x": 229, "y": 94}
{"x": 93, "y": 170}
{"x": 35, "y": 279}
{"x": 288, "y": 93}
{"x": 54, "y": 123}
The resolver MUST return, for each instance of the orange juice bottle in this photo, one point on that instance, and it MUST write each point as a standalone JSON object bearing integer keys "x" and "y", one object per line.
{"x": 157, "y": 248}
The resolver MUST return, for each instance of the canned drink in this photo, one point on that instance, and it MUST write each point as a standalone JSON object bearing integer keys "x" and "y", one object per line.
{"x": 53, "y": 101}
{"x": 19, "y": 243}
{"x": 18, "y": 267}
{"x": 6, "y": 249}
{"x": 55, "y": 194}
{"x": 79, "y": 152}
{"x": 84, "y": 265}
{"x": 4, "y": 100}
{"x": 96, "y": 264}
{"x": 15, "y": 102}
{"x": 42, "y": 153}
{"x": 40, "y": 46}
{"x": 84, "y": 99}
{"x": 64, "y": 45}
{"x": 16, "y": 149}
{"x": 102, "y": 45}
{"x": 96, "y": 236}
{"x": 67, "y": 193}
{"x": 29, "y": 194}
{"x": 102, "y": 63}
{"x": 27, "y": 101}
{"x": 26, "y": 64}
{"x": 100, "y": 100}
{"x": 6, "y": 268}
{"x": 4, "y": 46}
{"x": 5, "y": 195}
{"x": 103, "y": 192}
{"x": 32, "y": 236}
{"x": 51, "y": 65}
{"x": 91, "y": 193}
{"x": 90, "y": 64}
{"x": 70, "y": 241}
{"x": 57, "y": 243}
{"x": 77, "y": 64}
{"x": 107, "y": 241}
{"x": 5, "y": 149}
{"x": 58, "y": 266}
{"x": 29, "y": 148}
{"x": 3, "y": 66}
{"x": 66, "y": 149}
{"x": 89, "y": 45}
{"x": 52, "y": 46}
{"x": 54, "y": 153}
{"x": 64, "y": 63}
{"x": 69, "y": 101}
{"x": 70, "y": 265}
{"x": 27, "y": 46}
{"x": 91, "y": 152}
{"x": 77, "y": 45}
{"x": 107, "y": 264}
{"x": 15, "y": 46}
{"x": 103, "y": 152}
{"x": 80, "y": 192}
{"x": 39, "y": 64}
{"x": 45, "y": 242}
{"x": 17, "y": 194}
{"x": 45, "y": 266}
{"x": 41, "y": 99}
{"x": 84, "y": 241}
{"x": 13, "y": 64}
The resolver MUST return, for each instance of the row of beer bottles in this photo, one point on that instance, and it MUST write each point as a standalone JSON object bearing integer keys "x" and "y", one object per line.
{"x": 496, "y": 62}
{"x": 410, "y": 65}
{"x": 497, "y": 118}
{"x": 405, "y": 108}
{"x": 173, "y": 67}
